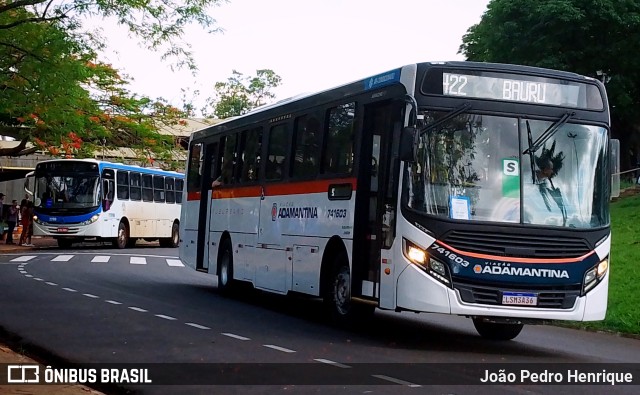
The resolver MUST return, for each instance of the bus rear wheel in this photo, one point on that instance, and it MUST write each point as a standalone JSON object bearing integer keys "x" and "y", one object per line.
{"x": 122, "y": 239}
{"x": 174, "y": 240}
{"x": 225, "y": 268}
{"x": 497, "y": 330}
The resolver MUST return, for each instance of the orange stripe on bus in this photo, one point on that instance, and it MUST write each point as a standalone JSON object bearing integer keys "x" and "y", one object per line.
{"x": 289, "y": 188}
{"x": 516, "y": 259}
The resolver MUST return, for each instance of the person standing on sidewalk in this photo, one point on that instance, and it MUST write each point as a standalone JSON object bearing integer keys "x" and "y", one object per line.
{"x": 26, "y": 219}
{"x": 12, "y": 219}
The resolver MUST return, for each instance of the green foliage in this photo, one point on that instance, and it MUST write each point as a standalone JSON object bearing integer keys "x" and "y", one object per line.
{"x": 623, "y": 314}
{"x": 55, "y": 93}
{"x": 582, "y": 36}
{"x": 240, "y": 94}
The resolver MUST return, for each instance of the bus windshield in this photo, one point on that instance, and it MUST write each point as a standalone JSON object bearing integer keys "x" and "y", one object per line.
{"x": 68, "y": 191}
{"x": 478, "y": 168}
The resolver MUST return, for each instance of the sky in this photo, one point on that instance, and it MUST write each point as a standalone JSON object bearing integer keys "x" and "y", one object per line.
{"x": 312, "y": 45}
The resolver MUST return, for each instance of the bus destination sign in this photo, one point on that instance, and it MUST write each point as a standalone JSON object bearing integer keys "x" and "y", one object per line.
{"x": 534, "y": 90}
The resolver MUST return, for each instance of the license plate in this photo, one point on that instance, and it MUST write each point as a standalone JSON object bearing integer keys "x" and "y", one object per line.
{"x": 63, "y": 230}
{"x": 519, "y": 298}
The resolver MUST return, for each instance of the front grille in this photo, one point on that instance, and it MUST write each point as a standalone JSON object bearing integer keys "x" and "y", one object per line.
{"x": 517, "y": 245}
{"x": 549, "y": 297}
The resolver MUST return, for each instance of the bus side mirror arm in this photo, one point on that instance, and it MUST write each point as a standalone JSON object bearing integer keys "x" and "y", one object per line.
{"x": 408, "y": 144}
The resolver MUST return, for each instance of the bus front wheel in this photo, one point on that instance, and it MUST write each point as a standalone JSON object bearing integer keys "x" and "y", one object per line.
{"x": 65, "y": 243}
{"x": 337, "y": 296}
{"x": 225, "y": 268}
{"x": 497, "y": 330}
{"x": 122, "y": 239}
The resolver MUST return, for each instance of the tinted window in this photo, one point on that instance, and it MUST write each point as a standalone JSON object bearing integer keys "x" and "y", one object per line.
{"x": 134, "y": 186}
{"x": 276, "y": 153}
{"x": 306, "y": 147}
{"x": 250, "y": 157}
{"x": 228, "y": 160}
{"x": 338, "y": 154}
{"x": 194, "y": 172}
{"x": 170, "y": 190}
{"x": 147, "y": 188}
{"x": 158, "y": 188}
{"x": 179, "y": 187}
{"x": 122, "y": 180}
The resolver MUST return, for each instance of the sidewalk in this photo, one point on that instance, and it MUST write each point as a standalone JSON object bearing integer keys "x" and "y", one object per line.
{"x": 9, "y": 356}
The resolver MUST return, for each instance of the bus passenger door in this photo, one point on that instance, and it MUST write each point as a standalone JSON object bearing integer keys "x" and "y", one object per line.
{"x": 375, "y": 198}
{"x": 271, "y": 263}
{"x": 204, "y": 212}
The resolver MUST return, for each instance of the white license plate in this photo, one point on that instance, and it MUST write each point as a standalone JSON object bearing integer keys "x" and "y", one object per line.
{"x": 519, "y": 298}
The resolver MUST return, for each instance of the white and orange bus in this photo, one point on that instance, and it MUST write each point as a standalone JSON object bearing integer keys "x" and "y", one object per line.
{"x": 463, "y": 188}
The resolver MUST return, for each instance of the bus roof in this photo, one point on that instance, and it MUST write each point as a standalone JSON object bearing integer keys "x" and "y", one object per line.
{"x": 120, "y": 166}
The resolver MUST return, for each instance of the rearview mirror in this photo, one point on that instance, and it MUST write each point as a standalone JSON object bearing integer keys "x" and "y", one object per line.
{"x": 408, "y": 144}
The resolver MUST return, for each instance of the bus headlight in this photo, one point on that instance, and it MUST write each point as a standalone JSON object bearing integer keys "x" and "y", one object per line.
{"x": 419, "y": 257}
{"x": 91, "y": 220}
{"x": 593, "y": 276}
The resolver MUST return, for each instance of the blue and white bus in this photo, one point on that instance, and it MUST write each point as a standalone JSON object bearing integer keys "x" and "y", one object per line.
{"x": 77, "y": 199}
{"x": 475, "y": 189}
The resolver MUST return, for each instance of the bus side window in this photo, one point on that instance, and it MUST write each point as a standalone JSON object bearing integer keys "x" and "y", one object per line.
{"x": 122, "y": 181}
{"x": 158, "y": 188}
{"x": 179, "y": 188}
{"x": 169, "y": 188}
{"x": 338, "y": 151}
{"x": 134, "y": 186}
{"x": 107, "y": 187}
{"x": 147, "y": 188}
{"x": 250, "y": 156}
{"x": 305, "y": 162}
{"x": 276, "y": 152}
{"x": 228, "y": 160}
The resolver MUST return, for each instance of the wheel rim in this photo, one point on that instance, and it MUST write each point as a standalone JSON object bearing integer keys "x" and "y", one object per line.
{"x": 342, "y": 292}
{"x": 122, "y": 235}
{"x": 224, "y": 270}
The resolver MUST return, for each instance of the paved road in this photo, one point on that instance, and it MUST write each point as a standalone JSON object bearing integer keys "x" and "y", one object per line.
{"x": 141, "y": 306}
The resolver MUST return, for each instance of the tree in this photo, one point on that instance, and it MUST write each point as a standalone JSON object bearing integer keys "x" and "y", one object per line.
{"x": 597, "y": 38}
{"x": 55, "y": 93}
{"x": 240, "y": 94}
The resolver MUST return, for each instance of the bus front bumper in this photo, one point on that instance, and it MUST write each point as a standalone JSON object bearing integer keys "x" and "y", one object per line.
{"x": 417, "y": 291}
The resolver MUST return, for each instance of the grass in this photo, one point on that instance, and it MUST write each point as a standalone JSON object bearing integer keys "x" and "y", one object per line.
{"x": 623, "y": 311}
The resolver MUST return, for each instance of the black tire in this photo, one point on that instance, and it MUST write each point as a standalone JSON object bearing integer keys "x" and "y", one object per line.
{"x": 337, "y": 296}
{"x": 497, "y": 331}
{"x": 174, "y": 240}
{"x": 65, "y": 243}
{"x": 122, "y": 239}
{"x": 226, "y": 284}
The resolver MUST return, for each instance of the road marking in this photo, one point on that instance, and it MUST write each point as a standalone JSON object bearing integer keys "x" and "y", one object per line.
{"x": 70, "y": 289}
{"x": 28, "y": 275}
{"x": 137, "y": 309}
{"x": 394, "y": 380}
{"x": 62, "y": 258}
{"x": 91, "y": 296}
{"x": 235, "y": 336}
{"x": 38, "y": 279}
{"x": 278, "y": 348}
{"x": 101, "y": 258}
{"x": 197, "y": 325}
{"x": 112, "y": 302}
{"x": 332, "y": 363}
{"x": 136, "y": 260}
{"x": 174, "y": 262}
{"x": 24, "y": 258}
{"x": 50, "y": 283}
{"x": 166, "y": 317}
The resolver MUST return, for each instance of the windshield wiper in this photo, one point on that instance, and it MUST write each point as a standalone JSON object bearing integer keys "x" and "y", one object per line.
{"x": 547, "y": 134}
{"x": 451, "y": 114}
